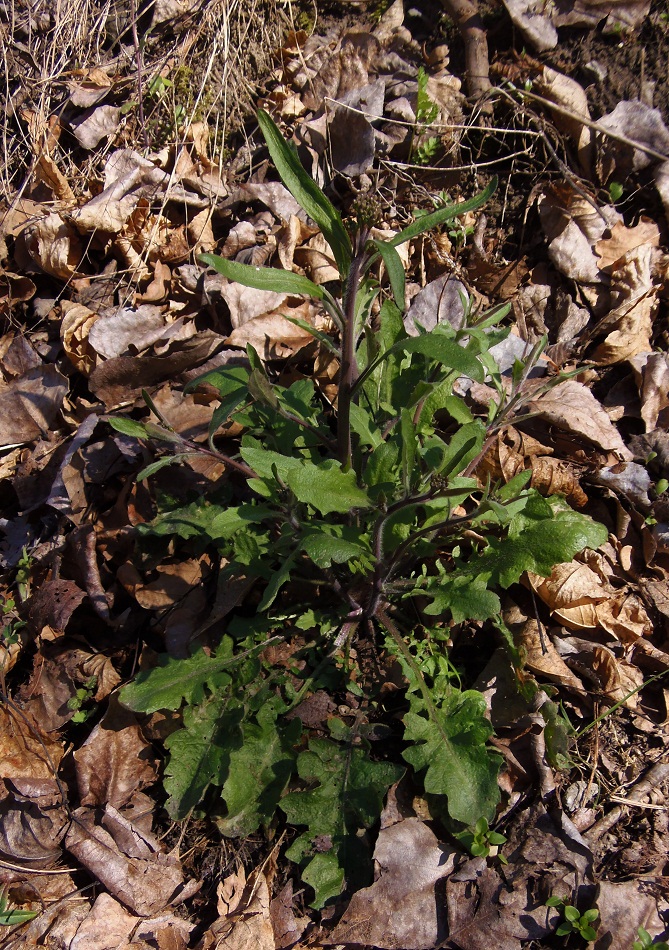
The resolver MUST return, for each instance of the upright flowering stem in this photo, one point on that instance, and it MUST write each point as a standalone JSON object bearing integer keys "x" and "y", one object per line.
{"x": 348, "y": 369}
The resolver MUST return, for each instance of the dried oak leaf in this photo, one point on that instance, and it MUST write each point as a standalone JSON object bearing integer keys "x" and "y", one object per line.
{"x": 115, "y": 761}
{"x": 55, "y": 246}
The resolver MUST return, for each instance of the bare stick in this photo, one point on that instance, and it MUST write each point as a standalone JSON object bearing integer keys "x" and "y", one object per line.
{"x": 467, "y": 19}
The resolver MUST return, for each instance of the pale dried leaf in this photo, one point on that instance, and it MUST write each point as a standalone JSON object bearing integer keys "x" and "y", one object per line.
{"x": 572, "y": 407}
{"x": 253, "y": 927}
{"x": 108, "y": 926}
{"x": 92, "y": 127}
{"x": 274, "y": 337}
{"x": 438, "y": 302}
{"x": 74, "y": 329}
{"x": 88, "y": 90}
{"x": 48, "y": 172}
{"x": 569, "y": 94}
{"x": 651, "y": 372}
{"x": 126, "y": 861}
{"x": 246, "y": 303}
{"x": 398, "y": 911}
{"x": 315, "y": 259}
{"x": 537, "y": 28}
{"x": 55, "y": 246}
{"x": 127, "y": 330}
{"x": 624, "y": 239}
{"x": 274, "y": 196}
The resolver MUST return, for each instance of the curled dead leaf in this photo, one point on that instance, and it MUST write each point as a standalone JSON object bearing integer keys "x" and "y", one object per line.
{"x": 74, "y": 330}
{"x": 55, "y": 246}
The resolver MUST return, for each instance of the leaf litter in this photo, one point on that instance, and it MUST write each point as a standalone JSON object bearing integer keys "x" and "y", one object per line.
{"x": 103, "y": 298}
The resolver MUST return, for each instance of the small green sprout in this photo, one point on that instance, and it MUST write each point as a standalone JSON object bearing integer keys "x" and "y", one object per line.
{"x": 574, "y": 921}
{"x": 80, "y": 698}
{"x": 482, "y": 842}
{"x": 645, "y": 941}
{"x": 615, "y": 191}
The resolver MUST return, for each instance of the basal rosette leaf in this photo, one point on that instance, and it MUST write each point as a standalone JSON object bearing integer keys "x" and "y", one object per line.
{"x": 175, "y": 681}
{"x": 449, "y": 745}
{"x": 346, "y": 797}
{"x": 260, "y": 769}
{"x": 429, "y": 221}
{"x": 263, "y": 278}
{"x": 536, "y": 543}
{"x": 200, "y": 754}
{"x": 465, "y": 597}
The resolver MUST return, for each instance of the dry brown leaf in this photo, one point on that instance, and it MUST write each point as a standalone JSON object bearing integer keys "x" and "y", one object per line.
{"x": 398, "y": 911}
{"x": 115, "y": 761}
{"x": 107, "y": 925}
{"x": 89, "y": 87}
{"x": 252, "y": 925}
{"x": 14, "y": 290}
{"x": 542, "y": 658}
{"x": 569, "y": 94}
{"x": 634, "y": 299}
{"x": 201, "y": 232}
{"x": 125, "y": 860}
{"x": 120, "y": 380}
{"x": 55, "y": 246}
{"x": 572, "y": 407}
{"x": 25, "y": 750}
{"x": 92, "y": 127}
{"x": 274, "y": 337}
{"x": 315, "y": 258}
{"x": 614, "y": 676}
{"x": 29, "y": 405}
{"x": 623, "y": 240}
{"x": 512, "y": 452}
{"x": 651, "y": 372}
{"x": 128, "y": 178}
{"x": 583, "y": 600}
{"x": 74, "y": 329}
{"x": 126, "y": 330}
{"x": 33, "y": 819}
{"x": 47, "y": 171}
{"x": 625, "y": 906}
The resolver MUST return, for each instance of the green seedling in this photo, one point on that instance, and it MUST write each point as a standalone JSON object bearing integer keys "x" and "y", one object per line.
{"x": 358, "y": 525}
{"x": 11, "y": 622}
{"x": 482, "y": 842}
{"x": 82, "y": 696}
{"x": 615, "y": 191}
{"x": 574, "y": 921}
{"x": 645, "y": 941}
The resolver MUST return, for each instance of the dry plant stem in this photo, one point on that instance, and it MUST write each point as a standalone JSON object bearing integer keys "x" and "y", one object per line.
{"x": 657, "y": 774}
{"x": 616, "y": 136}
{"x": 138, "y": 56}
{"x": 467, "y": 19}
